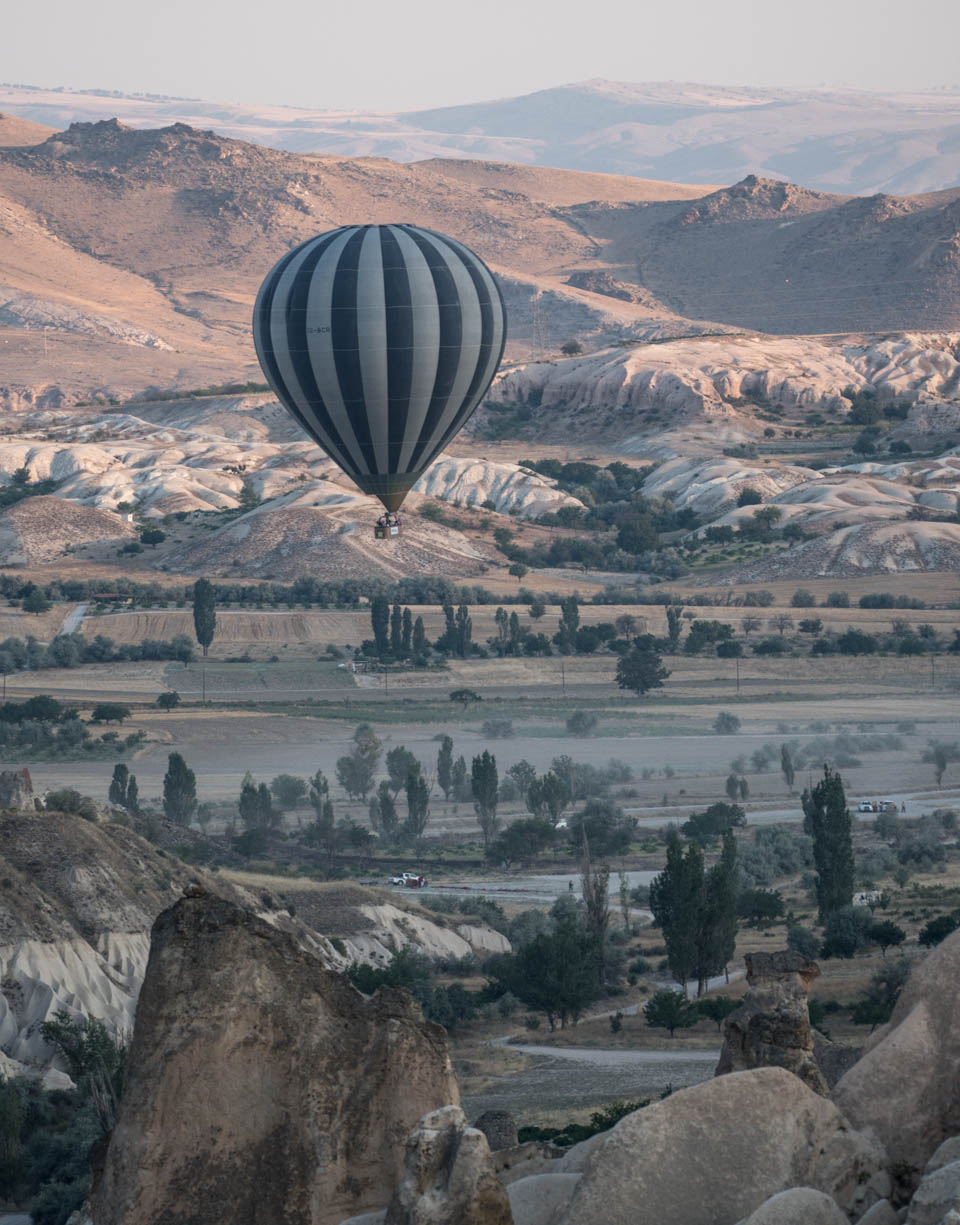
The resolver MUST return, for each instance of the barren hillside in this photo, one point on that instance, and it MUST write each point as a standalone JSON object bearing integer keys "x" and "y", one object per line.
{"x": 838, "y": 139}
{"x": 130, "y": 258}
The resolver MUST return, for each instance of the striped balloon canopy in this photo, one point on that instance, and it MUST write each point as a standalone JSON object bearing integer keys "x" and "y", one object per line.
{"x": 381, "y": 340}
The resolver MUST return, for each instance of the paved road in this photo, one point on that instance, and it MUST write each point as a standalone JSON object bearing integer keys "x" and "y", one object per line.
{"x": 600, "y": 1057}
{"x": 15, "y": 1218}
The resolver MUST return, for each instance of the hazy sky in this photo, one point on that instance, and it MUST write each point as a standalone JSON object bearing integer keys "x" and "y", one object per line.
{"x": 415, "y": 53}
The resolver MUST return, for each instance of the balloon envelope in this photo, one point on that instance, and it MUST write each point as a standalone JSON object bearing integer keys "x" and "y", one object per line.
{"x": 381, "y": 340}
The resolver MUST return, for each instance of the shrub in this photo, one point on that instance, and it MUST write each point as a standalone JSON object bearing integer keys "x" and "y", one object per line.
{"x": 803, "y": 941}
{"x": 726, "y": 724}
{"x": 581, "y": 723}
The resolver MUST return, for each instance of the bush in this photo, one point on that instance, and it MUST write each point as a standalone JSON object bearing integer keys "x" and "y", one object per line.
{"x": 770, "y": 646}
{"x": 846, "y": 931}
{"x": 937, "y": 930}
{"x": 497, "y": 729}
{"x": 802, "y": 598}
{"x": 803, "y": 941}
{"x": 726, "y": 724}
{"x": 66, "y": 799}
{"x": 581, "y": 723}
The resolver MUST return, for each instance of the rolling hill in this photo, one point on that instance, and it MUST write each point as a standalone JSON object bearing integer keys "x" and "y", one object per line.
{"x": 839, "y": 140}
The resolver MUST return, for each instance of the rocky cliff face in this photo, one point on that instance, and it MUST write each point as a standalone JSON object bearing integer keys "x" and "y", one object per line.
{"x": 262, "y": 1086}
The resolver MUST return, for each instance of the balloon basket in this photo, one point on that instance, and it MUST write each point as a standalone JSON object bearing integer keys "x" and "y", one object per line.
{"x": 383, "y": 533}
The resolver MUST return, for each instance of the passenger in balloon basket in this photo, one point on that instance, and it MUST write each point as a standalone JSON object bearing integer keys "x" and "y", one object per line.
{"x": 387, "y": 525}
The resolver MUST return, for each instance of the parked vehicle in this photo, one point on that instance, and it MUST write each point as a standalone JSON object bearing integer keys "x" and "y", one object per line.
{"x": 408, "y": 880}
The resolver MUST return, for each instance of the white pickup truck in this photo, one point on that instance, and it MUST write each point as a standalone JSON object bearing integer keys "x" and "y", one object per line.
{"x": 408, "y": 880}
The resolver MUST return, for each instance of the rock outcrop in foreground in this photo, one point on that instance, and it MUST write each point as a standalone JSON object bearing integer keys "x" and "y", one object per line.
{"x": 771, "y": 1028}
{"x": 904, "y": 1089}
{"x": 449, "y": 1177}
{"x": 262, "y": 1086}
{"x": 715, "y": 1152}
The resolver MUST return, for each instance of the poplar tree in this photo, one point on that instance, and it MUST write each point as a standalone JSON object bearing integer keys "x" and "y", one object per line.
{"x": 204, "y": 612}
{"x": 484, "y": 783}
{"x": 827, "y": 820}
{"x": 396, "y": 630}
{"x": 445, "y": 766}
{"x": 406, "y": 632}
{"x": 380, "y": 623}
{"x": 179, "y": 791}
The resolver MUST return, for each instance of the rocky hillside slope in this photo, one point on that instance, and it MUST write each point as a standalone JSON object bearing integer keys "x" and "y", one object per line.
{"x": 78, "y": 899}
{"x": 836, "y": 139}
{"x": 152, "y": 283}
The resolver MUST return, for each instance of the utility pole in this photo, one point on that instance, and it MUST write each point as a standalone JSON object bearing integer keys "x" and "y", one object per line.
{"x": 933, "y": 678}
{"x": 563, "y": 677}
{"x": 386, "y": 681}
{"x": 737, "y": 662}
{"x": 203, "y": 683}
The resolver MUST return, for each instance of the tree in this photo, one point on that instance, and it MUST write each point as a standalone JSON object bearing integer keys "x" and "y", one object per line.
{"x": 204, "y": 613}
{"x": 521, "y": 841}
{"x": 355, "y": 770}
{"x": 418, "y": 807}
{"x": 152, "y": 536}
{"x": 781, "y": 622}
{"x": 609, "y": 831}
{"x": 571, "y": 348}
{"x": 36, "y": 602}
{"x": 419, "y": 638}
{"x": 109, "y": 712}
{"x": 674, "y": 627}
{"x": 396, "y": 630}
{"x": 803, "y": 941}
{"x": 638, "y": 534}
{"x": 547, "y": 796}
{"x": 641, "y": 670}
{"x": 288, "y": 790}
{"x": 120, "y": 785}
{"x": 811, "y": 625}
{"x": 380, "y": 623}
{"x": 940, "y": 754}
{"x": 168, "y": 699}
{"x": 518, "y": 570}
{"x": 537, "y": 609}
{"x": 406, "y": 632}
{"x": 464, "y": 632}
{"x": 827, "y": 820}
{"x": 732, "y": 787}
{"x": 445, "y": 766}
{"x": 887, "y": 934}
{"x": 726, "y": 724}
{"x": 179, "y": 791}
{"x": 786, "y": 766}
{"x": 581, "y": 723}
{"x": 696, "y": 910}
{"x": 322, "y": 832}
{"x": 760, "y": 907}
{"x": 717, "y": 1008}
{"x": 937, "y": 930}
{"x": 705, "y": 827}
{"x": 461, "y": 782}
{"x": 554, "y": 973}
{"x": 383, "y": 811}
{"x": 484, "y": 784}
{"x": 670, "y": 1010}
{"x": 465, "y": 697}
{"x": 749, "y": 496}
{"x": 750, "y": 625}
{"x": 399, "y": 762}
{"x": 595, "y": 886}
{"x": 846, "y": 931}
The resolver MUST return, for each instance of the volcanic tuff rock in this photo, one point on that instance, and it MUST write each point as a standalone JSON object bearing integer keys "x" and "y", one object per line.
{"x": 76, "y": 904}
{"x": 711, "y": 1154}
{"x": 16, "y": 789}
{"x": 448, "y": 1176}
{"x": 904, "y": 1089}
{"x": 771, "y": 1028}
{"x": 798, "y": 1206}
{"x": 294, "y": 1094}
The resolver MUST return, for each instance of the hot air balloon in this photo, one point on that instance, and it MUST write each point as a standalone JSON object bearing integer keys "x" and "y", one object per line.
{"x": 380, "y": 340}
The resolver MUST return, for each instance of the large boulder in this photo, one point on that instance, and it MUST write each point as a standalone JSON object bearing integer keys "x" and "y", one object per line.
{"x": 448, "y": 1176}
{"x": 937, "y": 1195}
{"x": 711, "y": 1155}
{"x": 771, "y": 1028}
{"x": 905, "y": 1088}
{"x": 500, "y": 1128}
{"x": 262, "y": 1087}
{"x": 798, "y": 1206}
{"x": 537, "y": 1199}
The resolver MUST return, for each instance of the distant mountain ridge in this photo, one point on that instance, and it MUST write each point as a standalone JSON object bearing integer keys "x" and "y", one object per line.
{"x": 838, "y": 140}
